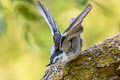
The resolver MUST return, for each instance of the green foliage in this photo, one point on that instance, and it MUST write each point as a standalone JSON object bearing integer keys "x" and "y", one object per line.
{"x": 106, "y": 11}
{"x": 28, "y": 1}
{"x": 81, "y": 3}
{"x": 26, "y": 33}
{"x": 2, "y": 26}
{"x": 0, "y": 5}
{"x": 22, "y": 9}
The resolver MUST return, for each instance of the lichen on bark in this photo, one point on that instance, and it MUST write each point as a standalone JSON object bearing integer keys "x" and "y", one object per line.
{"x": 99, "y": 62}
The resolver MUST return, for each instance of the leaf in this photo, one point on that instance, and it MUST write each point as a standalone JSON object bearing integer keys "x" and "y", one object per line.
{"x": 22, "y": 9}
{"x": 35, "y": 36}
{"x": 81, "y": 3}
{"x": 2, "y": 26}
{"x": 26, "y": 34}
{"x": 106, "y": 11}
{"x": 0, "y": 5}
{"x": 38, "y": 41}
{"x": 28, "y": 1}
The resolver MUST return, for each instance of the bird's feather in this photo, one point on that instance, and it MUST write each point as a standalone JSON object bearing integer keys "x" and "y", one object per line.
{"x": 48, "y": 18}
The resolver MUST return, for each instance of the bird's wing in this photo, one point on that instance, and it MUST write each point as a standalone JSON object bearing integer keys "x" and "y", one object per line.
{"x": 48, "y": 18}
{"x": 75, "y": 28}
{"x": 51, "y": 22}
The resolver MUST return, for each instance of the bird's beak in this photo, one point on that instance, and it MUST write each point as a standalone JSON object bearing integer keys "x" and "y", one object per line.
{"x": 49, "y": 64}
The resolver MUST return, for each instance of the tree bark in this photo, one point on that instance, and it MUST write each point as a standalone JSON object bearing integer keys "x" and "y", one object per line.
{"x": 99, "y": 62}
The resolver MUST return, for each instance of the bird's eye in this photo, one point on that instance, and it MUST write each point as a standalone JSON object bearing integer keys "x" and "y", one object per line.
{"x": 57, "y": 59}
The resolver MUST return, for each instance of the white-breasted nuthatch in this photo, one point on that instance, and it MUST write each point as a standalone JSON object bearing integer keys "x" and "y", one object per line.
{"x": 67, "y": 46}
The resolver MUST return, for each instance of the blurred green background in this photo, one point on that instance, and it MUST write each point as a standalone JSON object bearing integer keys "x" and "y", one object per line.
{"x": 25, "y": 38}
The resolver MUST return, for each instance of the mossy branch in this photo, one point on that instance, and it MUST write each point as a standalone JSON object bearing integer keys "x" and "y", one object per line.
{"x": 99, "y": 62}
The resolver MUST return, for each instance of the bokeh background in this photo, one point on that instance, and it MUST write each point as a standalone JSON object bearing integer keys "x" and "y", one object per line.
{"x": 25, "y": 38}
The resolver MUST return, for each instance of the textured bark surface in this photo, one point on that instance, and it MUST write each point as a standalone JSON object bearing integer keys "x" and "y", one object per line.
{"x": 99, "y": 62}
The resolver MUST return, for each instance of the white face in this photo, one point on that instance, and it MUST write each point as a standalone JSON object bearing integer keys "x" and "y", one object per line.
{"x": 61, "y": 58}
{"x": 56, "y": 56}
{"x": 57, "y": 59}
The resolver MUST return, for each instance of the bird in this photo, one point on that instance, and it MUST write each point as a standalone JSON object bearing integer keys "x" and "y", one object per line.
{"x": 67, "y": 45}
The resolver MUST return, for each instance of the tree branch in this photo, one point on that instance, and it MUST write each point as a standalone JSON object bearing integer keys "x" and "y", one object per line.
{"x": 99, "y": 62}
